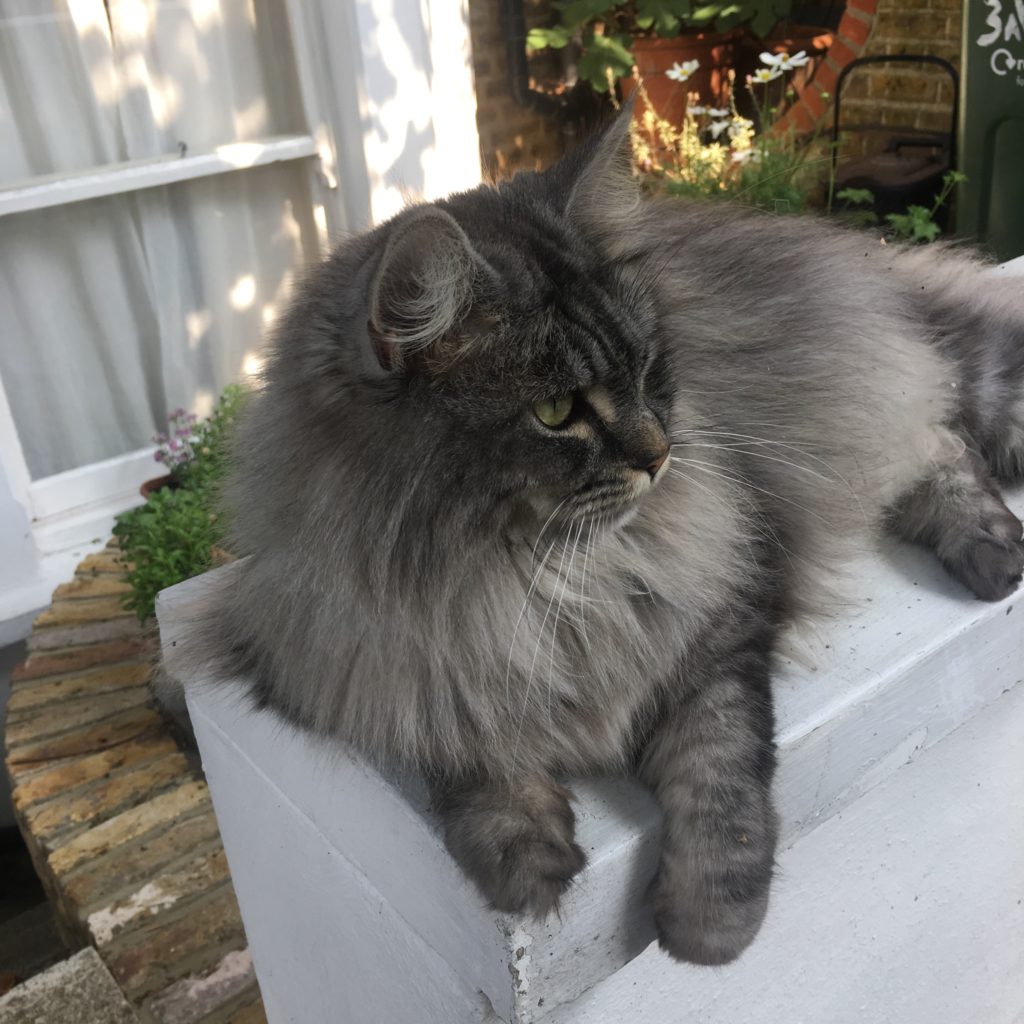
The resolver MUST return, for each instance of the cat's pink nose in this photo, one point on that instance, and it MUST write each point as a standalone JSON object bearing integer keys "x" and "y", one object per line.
{"x": 657, "y": 461}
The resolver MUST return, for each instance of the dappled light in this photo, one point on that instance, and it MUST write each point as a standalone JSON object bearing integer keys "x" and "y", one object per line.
{"x": 243, "y": 292}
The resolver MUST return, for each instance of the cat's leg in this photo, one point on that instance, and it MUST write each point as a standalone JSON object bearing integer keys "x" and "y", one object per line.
{"x": 515, "y": 842}
{"x": 959, "y": 512}
{"x": 710, "y": 763}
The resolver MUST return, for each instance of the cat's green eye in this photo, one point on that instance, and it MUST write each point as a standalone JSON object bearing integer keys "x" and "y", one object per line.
{"x": 553, "y": 412}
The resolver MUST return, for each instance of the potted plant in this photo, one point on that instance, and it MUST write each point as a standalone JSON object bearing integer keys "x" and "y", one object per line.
{"x": 175, "y": 449}
{"x": 654, "y": 37}
{"x": 675, "y": 47}
{"x": 179, "y": 532}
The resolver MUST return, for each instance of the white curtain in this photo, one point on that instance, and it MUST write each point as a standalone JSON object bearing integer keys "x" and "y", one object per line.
{"x": 115, "y": 310}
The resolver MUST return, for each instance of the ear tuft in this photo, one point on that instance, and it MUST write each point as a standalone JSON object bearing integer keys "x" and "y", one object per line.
{"x": 423, "y": 287}
{"x": 603, "y": 190}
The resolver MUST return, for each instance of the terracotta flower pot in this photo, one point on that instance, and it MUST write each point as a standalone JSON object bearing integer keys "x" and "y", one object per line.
{"x": 157, "y": 483}
{"x": 715, "y": 52}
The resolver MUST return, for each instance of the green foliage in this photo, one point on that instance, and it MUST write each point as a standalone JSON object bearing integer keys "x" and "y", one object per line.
{"x": 605, "y": 59}
{"x": 172, "y": 536}
{"x": 916, "y": 225}
{"x": 605, "y": 28}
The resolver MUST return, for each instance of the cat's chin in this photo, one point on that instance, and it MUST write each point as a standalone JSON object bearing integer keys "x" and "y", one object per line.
{"x": 616, "y": 520}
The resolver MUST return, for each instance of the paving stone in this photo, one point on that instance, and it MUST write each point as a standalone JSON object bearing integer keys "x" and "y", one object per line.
{"x": 88, "y": 805}
{"x": 92, "y": 586}
{"x": 95, "y": 609}
{"x": 154, "y": 815}
{"x": 28, "y": 697}
{"x": 78, "y": 990}
{"x": 118, "y": 728}
{"x": 132, "y": 864}
{"x": 51, "y": 720}
{"x": 104, "y": 561}
{"x": 70, "y": 773}
{"x": 57, "y": 637}
{"x": 201, "y": 874}
{"x": 78, "y": 659}
{"x": 163, "y": 952}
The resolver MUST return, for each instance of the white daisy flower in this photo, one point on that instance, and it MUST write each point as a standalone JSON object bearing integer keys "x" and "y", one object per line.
{"x": 697, "y": 111}
{"x": 717, "y": 127}
{"x": 681, "y": 72}
{"x": 798, "y": 60}
{"x": 773, "y": 60}
{"x": 763, "y": 75}
{"x": 717, "y": 112}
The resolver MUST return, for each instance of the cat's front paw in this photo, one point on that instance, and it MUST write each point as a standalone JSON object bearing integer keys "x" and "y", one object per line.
{"x": 990, "y": 562}
{"x": 704, "y": 921}
{"x": 518, "y": 849}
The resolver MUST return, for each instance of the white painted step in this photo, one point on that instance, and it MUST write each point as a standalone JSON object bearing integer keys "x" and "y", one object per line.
{"x": 327, "y": 855}
{"x": 905, "y": 908}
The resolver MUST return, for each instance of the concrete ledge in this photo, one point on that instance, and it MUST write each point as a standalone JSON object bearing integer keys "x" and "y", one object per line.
{"x": 78, "y": 989}
{"x": 909, "y": 658}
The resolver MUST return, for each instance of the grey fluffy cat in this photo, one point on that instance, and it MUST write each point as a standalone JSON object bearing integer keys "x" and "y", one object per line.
{"x": 540, "y": 471}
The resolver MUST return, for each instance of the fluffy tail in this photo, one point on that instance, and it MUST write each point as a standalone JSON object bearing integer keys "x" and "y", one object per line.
{"x": 976, "y": 315}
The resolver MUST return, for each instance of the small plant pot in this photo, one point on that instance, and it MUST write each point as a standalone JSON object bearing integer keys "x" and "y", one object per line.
{"x": 158, "y": 483}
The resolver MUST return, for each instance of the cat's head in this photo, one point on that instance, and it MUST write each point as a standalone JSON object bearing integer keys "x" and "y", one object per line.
{"x": 507, "y": 349}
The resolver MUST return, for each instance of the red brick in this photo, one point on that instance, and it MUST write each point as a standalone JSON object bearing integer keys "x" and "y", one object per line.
{"x": 867, "y": 6}
{"x": 853, "y": 29}
{"x": 117, "y": 729}
{"x": 814, "y": 102}
{"x": 72, "y": 715}
{"x": 105, "y": 585}
{"x": 153, "y": 816}
{"x": 75, "y": 772}
{"x": 29, "y": 697}
{"x": 128, "y": 866}
{"x": 165, "y": 951}
{"x": 104, "y": 561}
{"x": 826, "y": 76}
{"x": 79, "y": 659}
{"x": 71, "y": 613}
{"x": 842, "y": 53}
{"x": 89, "y": 805}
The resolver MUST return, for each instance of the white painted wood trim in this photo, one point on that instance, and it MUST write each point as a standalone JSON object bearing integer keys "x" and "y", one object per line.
{"x": 94, "y": 483}
{"x": 48, "y": 190}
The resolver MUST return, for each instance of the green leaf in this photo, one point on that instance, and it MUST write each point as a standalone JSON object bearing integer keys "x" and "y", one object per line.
{"x": 542, "y": 38}
{"x": 857, "y": 196}
{"x": 763, "y": 22}
{"x": 580, "y": 12}
{"x": 604, "y": 55}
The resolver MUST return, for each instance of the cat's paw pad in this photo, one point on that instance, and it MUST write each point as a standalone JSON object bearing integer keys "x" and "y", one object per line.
{"x": 991, "y": 566}
{"x": 520, "y": 852}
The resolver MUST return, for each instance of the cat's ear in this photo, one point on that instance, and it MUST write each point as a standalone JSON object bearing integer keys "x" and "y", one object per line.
{"x": 423, "y": 288}
{"x": 603, "y": 191}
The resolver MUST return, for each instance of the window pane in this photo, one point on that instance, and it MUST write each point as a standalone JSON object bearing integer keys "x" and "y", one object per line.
{"x": 119, "y": 309}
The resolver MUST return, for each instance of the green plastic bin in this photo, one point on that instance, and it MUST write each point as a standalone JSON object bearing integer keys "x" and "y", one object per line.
{"x": 990, "y": 204}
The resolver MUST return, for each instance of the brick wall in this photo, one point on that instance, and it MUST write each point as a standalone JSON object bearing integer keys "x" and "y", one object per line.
{"x": 897, "y": 96}
{"x": 512, "y": 137}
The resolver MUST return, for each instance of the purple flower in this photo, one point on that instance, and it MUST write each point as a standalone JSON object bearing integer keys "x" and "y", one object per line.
{"x": 158, "y": 456}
